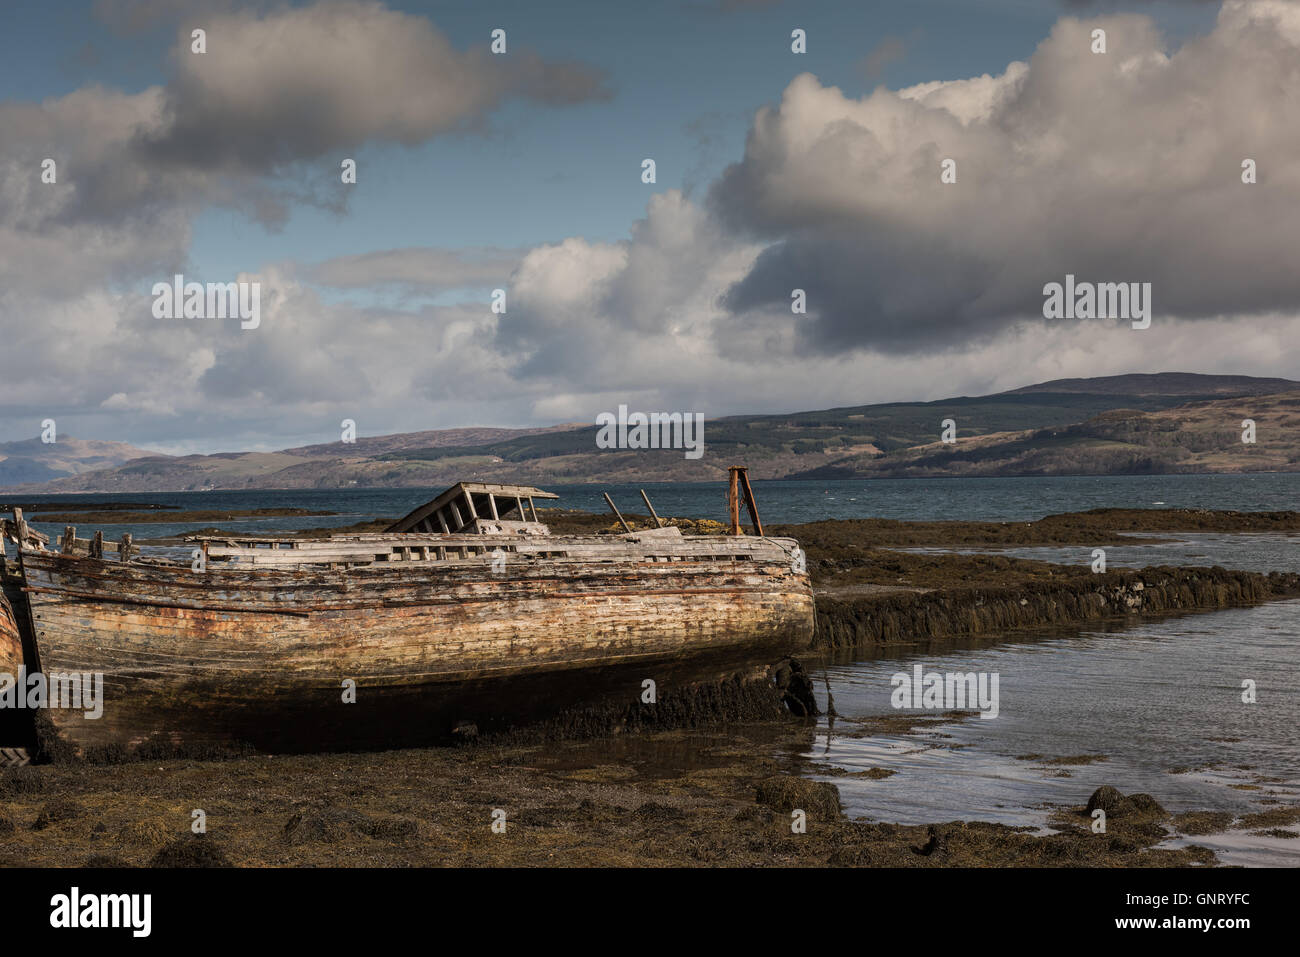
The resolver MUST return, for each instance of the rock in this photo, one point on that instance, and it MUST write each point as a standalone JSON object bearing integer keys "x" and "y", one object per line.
{"x": 1105, "y": 797}
{"x": 198, "y": 850}
{"x": 789, "y": 793}
{"x": 327, "y": 827}
{"x": 1110, "y": 800}
{"x": 1146, "y": 804}
{"x": 936, "y": 845}
{"x": 57, "y": 811}
{"x": 796, "y": 688}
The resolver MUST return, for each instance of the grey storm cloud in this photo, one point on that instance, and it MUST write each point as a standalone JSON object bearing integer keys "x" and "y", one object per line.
{"x": 301, "y": 82}
{"x": 1116, "y": 167}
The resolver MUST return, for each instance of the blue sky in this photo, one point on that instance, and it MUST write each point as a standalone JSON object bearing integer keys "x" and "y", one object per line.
{"x": 686, "y": 79}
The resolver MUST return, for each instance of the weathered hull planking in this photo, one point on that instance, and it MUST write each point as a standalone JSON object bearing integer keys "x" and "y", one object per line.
{"x": 14, "y": 731}
{"x": 260, "y": 656}
{"x": 11, "y": 641}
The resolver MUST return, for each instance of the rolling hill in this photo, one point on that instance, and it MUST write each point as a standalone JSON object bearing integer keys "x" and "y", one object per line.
{"x": 31, "y": 460}
{"x": 1204, "y": 436}
{"x": 1163, "y": 422}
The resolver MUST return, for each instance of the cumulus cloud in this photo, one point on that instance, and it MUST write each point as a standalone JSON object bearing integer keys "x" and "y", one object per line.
{"x": 134, "y": 169}
{"x": 1124, "y": 166}
{"x": 576, "y": 343}
{"x": 301, "y": 82}
{"x": 271, "y": 90}
{"x": 597, "y": 311}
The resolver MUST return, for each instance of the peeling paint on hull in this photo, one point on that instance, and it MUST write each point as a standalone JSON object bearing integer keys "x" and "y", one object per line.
{"x": 11, "y": 642}
{"x": 259, "y": 657}
{"x": 14, "y": 728}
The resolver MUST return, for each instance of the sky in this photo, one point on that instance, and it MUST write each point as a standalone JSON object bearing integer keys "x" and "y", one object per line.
{"x": 522, "y": 171}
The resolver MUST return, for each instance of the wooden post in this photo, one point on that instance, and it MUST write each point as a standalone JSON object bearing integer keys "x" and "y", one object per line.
{"x": 750, "y": 503}
{"x": 20, "y": 528}
{"x": 473, "y": 512}
{"x": 124, "y": 548}
{"x": 519, "y": 504}
{"x": 733, "y": 499}
{"x": 610, "y": 502}
{"x": 653, "y": 513}
{"x": 532, "y": 508}
{"x": 492, "y": 504}
{"x": 69, "y": 539}
{"x": 97, "y": 545}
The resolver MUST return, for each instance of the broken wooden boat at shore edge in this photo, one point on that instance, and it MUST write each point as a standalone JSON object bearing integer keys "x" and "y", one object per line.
{"x": 466, "y": 611}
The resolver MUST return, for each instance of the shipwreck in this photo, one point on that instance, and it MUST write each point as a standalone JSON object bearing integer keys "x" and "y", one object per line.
{"x": 467, "y": 611}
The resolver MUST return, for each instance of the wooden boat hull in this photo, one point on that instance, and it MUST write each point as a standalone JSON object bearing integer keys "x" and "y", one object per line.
{"x": 14, "y": 729}
{"x": 234, "y": 657}
{"x": 11, "y": 641}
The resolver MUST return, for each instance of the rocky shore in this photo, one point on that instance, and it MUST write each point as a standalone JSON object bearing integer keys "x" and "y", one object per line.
{"x": 728, "y": 797}
{"x": 713, "y": 776}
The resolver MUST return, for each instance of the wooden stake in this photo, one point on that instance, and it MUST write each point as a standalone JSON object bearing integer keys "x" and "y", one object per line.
{"x": 653, "y": 514}
{"x": 69, "y": 539}
{"x": 609, "y": 501}
{"x": 733, "y": 499}
{"x": 750, "y": 503}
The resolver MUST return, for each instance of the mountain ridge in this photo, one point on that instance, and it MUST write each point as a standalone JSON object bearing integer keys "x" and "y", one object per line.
{"x": 1064, "y": 426}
